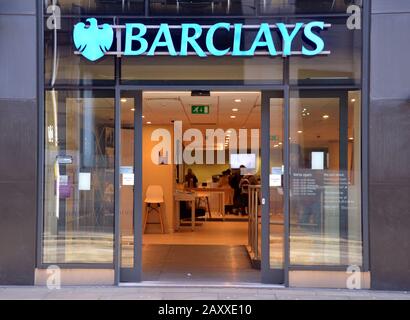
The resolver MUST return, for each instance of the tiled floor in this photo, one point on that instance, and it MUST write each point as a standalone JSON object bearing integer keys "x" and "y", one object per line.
{"x": 209, "y": 233}
{"x": 195, "y": 263}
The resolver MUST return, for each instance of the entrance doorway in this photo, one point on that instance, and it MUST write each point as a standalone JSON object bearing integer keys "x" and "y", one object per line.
{"x": 285, "y": 223}
{"x": 191, "y": 186}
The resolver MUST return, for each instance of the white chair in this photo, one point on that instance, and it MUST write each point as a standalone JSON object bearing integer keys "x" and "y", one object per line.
{"x": 153, "y": 200}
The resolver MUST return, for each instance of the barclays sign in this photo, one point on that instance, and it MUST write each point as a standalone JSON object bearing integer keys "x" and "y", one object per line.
{"x": 93, "y": 41}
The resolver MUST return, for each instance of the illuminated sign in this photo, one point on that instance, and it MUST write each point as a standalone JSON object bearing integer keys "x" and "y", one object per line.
{"x": 200, "y": 109}
{"x": 93, "y": 41}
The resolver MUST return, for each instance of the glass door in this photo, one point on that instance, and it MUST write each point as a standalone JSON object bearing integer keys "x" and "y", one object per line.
{"x": 311, "y": 181}
{"x": 273, "y": 187}
{"x": 325, "y": 179}
{"x": 130, "y": 186}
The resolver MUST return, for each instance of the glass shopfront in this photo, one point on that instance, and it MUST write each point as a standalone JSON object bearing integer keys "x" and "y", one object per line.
{"x": 310, "y": 116}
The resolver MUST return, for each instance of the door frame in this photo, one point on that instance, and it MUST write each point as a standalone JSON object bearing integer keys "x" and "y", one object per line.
{"x": 281, "y": 276}
{"x": 134, "y": 274}
{"x": 269, "y": 275}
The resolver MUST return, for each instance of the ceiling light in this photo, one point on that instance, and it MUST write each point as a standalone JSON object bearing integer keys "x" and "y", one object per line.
{"x": 238, "y": 100}
{"x": 351, "y": 138}
{"x": 300, "y": 131}
{"x": 353, "y": 100}
{"x": 235, "y": 109}
{"x": 149, "y": 122}
{"x": 143, "y": 117}
{"x": 233, "y": 117}
{"x": 326, "y": 116}
{"x": 123, "y": 100}
{"x": 229, "y": 131}
{"x": 280, "y": 143}
{"x": 133, "y": 109}
{"x": 305, "y": 112}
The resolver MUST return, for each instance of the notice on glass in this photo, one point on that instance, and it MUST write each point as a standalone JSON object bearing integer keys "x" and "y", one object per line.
{"x": 84, "y": 181}
{"x": 128, "y": 179}
{"x": 275, "y": 178}
{"x": 305, "y": 184}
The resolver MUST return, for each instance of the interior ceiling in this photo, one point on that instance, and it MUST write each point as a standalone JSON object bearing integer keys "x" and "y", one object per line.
{"x": 162, "y": 108}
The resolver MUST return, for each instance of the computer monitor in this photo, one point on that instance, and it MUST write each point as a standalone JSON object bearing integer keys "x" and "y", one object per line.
{"x": 243, "y": 159}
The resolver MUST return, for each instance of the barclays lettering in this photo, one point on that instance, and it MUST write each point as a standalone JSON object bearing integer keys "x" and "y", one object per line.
{"x": 95, "y": 41}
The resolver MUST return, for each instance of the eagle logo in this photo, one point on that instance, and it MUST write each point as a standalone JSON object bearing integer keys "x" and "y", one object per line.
{"x": 93, "y": 41}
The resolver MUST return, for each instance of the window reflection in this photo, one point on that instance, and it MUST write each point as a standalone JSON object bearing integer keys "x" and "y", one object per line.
{"x": 203, "y": 7}
{"x": 342, "y": 66}
{"x": 63, "y": 66}
{"x": 305, "y": 6}
{"x": 79, "y": 177}
{"x": 104, "y": 7}
{"x": 194, "y": 69}
{"x": 325, "y": 185}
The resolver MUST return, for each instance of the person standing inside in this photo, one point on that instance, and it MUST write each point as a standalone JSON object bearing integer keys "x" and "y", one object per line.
{"x": 234, "y": 181}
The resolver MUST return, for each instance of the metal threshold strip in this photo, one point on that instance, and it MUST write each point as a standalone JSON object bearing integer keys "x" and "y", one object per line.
{"x": 197, "y": 284}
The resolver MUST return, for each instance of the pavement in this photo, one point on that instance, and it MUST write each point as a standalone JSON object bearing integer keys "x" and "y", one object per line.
{"x": 203, "y": 292}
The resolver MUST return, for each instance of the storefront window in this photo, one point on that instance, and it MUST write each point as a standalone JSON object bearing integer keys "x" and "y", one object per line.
{"x": 79, "y": 177}
{"x": 203, "y": 8}
{"x": 324, "y": 148}
{"x": 325, "y": 184}
{"x": 193, "y": 69}
{"x": 98, "y": 7}
{"x": 63, "y": 66}
{"x": 342, "y": 66}
{"x": 304, "y": 6}
{"x": 259, "y": 69}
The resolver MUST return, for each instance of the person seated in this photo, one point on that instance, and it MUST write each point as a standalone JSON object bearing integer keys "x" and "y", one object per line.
{"x": 191, "y": 181}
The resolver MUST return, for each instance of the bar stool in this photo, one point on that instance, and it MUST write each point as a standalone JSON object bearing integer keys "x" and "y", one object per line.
{"x": 203, "y": 197}
{"x": 153, "y": 201}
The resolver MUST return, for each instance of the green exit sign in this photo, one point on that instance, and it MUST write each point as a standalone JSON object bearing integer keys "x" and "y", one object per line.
{"x": 200, "y": 109}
